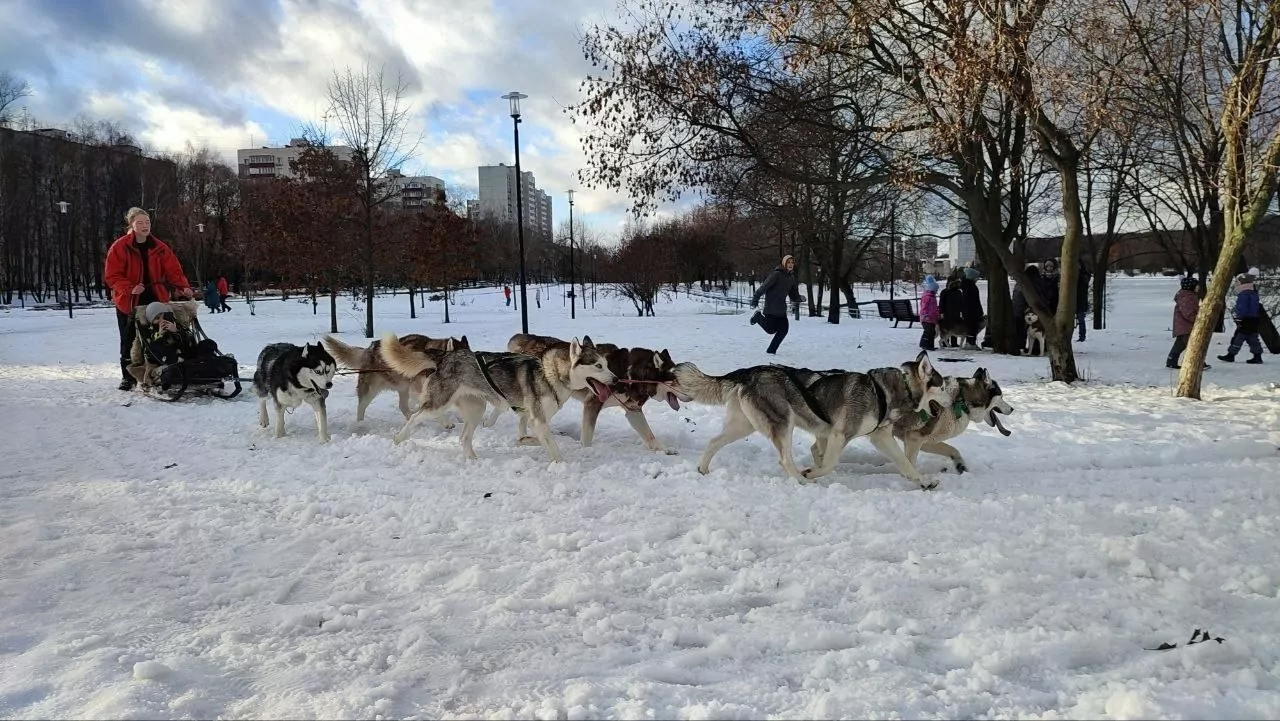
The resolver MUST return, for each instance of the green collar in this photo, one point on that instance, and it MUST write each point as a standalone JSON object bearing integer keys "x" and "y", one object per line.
{"x": 960, "y": 408}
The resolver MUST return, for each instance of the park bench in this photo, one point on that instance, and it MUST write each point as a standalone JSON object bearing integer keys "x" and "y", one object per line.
{"x": 897, "y": 310}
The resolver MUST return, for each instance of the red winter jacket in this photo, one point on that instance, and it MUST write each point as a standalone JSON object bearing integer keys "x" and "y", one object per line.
{"x": 124, "y": 271}
{"x": 222, "y": 287}
{"x": 1185, "y": 308}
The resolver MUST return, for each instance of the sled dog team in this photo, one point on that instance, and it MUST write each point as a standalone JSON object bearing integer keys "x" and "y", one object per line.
{"x": 902, "y": 410}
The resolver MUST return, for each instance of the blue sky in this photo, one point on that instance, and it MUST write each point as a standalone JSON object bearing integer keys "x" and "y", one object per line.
{"x": 223, "y": 73}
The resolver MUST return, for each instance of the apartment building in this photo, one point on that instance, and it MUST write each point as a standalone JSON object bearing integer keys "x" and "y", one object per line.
{"x": 269, "y": 162}
{"x": 498, "y": 199}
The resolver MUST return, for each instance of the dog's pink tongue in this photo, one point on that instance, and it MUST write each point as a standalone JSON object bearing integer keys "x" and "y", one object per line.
{"x": 601, "y": 390}
{"x": 673, "y": 401}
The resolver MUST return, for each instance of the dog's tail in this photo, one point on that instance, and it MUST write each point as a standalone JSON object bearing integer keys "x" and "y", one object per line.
{"x": 348, "y": 355}
{"x": 404, "y": 361}
{"x": 702, "y": 388}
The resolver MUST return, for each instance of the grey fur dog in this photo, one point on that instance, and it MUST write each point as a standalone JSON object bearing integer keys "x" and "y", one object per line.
{"x": 375, "y": 376}
{"x": 536, "y": 387}
{"x": 834, "y": 408}
{"x": 291, "y": 375}
{"x": 641, "y": 374}
{"x": 978, "y": 400}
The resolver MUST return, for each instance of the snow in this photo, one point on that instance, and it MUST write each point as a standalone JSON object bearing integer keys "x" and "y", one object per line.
{"x": 175, "y": 560}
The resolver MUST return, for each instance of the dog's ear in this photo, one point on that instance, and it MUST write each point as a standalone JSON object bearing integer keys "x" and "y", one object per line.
{"x": 923, "y": 366}
{"x": 448, "y": 344}
{"x": 463, "y": 343}
{"x": 666, "y": 356}
{"x": 657, "y": 360}
{"x": 305, "y": 348}
{"x": 575, "y": 350}
{"x": 980, "y": 375}
{"x": 586, "y": 342}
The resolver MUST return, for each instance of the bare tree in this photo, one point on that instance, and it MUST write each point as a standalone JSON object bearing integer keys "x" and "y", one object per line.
{"x": 1251, "y": 130}
{"x": 12, "y": 89}
{"x": 372, "y": 118}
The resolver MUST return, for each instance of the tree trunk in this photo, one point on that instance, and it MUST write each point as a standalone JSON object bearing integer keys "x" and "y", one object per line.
{"x": 315, "y": 306}
{"x": 1099, "y": 298}
{"x": 368, "y": 258}
{"x": 446, "y": 302}
{"x": 413, "y": 312}
{"x": 333, "y": 309}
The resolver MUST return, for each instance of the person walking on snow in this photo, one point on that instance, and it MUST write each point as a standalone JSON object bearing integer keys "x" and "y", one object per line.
{"x": 929, "y": 312}
{"x": 776, "y": 289}
{"x": 1186, "y": 306}
{"x": 506, "y": 292}
{"x": 1248, "y": 313}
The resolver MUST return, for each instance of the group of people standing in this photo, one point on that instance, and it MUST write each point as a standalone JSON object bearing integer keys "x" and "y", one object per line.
{"x": 215, "y": 294}
{"x": 959, "y": 305}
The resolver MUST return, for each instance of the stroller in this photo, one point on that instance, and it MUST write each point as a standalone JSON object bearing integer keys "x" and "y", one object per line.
{"x": 168, "y": 366}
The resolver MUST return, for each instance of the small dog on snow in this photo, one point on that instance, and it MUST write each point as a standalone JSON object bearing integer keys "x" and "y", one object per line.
{"x": 290, "y": 375}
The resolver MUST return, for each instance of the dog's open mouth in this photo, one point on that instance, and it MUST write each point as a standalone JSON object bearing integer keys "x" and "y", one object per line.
{"x": 601, "y": 390}
{"x": 994, "y": 420}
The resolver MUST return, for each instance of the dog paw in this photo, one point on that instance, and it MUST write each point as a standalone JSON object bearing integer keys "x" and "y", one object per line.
{"x": 961, "y": 467}
{"x": 528, "y": 441}
{"x": 703, "y": 470}
{"x": 670, "y": 452}
{"x": 928, "y": 485}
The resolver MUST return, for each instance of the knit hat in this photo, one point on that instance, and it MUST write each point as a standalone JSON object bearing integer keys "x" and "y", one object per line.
{"x": 1189, "y": 283}
{"x": 785, "y": 258}
{"x": 931, "y": 283}
{"x": 972, "y": 273}
{"x": 156, "y": 309}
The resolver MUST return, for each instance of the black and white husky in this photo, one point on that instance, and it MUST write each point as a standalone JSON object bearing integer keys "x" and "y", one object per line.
{"x": 290, "y": 375}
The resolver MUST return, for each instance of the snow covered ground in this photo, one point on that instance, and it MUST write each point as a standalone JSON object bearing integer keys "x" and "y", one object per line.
{"x": 175, "y": 560}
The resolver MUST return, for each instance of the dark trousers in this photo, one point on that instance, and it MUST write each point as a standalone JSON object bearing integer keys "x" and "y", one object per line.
{"x": 223, "y": 300}
{"x": 1243, "y": 335}
{"x": 1179, "y": 345}
{"x": 776, "y": 326}
{"x": 128, "y": 330}
{"x": 1019, "y": 332}
{"x": 927, "y": 337}
{"x": 1081, "y": 315}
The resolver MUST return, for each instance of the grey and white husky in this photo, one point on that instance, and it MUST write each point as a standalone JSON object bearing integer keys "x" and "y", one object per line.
{"x": 374, "y": 375}
{"x": 290, "y": 375}
{"x": 834, "y": 408}
{"x": 536, "y": 387}
{"x": 978, "y": 399}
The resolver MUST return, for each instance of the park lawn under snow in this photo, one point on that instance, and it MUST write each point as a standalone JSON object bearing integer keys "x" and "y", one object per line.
{"x": 174, "y": 560}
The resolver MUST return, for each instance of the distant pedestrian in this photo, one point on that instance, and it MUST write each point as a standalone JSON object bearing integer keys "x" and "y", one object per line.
{"x": 1082, "y": 299}
{"x": 929, "y": 313}
{"x": 776, "y": 289}
{"x": 1248, "y": 314}
{"x": 1186, "y": 306}
{"x": 506, "y": 292}
{"x": 223, "y": 292}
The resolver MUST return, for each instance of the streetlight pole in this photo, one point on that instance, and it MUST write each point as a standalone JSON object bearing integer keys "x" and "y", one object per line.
{"x": 572, "y": 292}
{"x": 514, "y": 98}
{"x": 66, "y": 239}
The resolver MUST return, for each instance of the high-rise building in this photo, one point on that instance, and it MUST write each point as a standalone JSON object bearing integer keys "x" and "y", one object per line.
{"x": 498, "y": 199}
{"x": 962, "y": 249}
{"x": 268, "y": 162}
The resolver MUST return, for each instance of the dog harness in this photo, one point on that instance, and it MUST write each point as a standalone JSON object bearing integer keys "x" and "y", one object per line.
{"x": 809, "y": 399}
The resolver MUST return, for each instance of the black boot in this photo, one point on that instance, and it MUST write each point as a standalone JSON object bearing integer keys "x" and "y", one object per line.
{"x": 1228, "y": 358}
{"x": 1256, "y": 360}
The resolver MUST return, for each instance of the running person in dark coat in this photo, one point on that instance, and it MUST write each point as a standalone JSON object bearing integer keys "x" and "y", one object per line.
{"x": 776, "y": 289}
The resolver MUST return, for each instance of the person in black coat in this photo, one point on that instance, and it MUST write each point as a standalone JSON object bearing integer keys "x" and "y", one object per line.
{"x": 1082, "y": 299}
{"x": 779, "y": 287}
{"x": 971, "y": 304}
{"x": 1047, "y": 285}
{"x": 951, "y": 303}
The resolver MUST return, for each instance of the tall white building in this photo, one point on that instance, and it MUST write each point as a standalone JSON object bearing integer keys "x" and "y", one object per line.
{"x": 268, "y": 162}
{"x": 961, "y": 249}
{"x": 498, "y": 199}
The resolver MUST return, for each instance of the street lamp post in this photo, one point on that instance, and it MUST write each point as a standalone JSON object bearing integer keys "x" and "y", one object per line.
{"x": 572, "y": 292}
{"x": 514, "y": 98}
{"x": 66, "y": 239}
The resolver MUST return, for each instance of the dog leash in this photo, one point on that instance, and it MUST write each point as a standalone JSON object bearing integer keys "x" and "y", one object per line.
{"x": 484, "y": 371}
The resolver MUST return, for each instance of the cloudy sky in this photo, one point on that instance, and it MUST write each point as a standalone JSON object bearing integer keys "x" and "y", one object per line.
{"x": 231, "y": 74}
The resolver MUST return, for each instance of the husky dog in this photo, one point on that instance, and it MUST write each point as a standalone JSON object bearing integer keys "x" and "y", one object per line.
{"x": 375, "y": 376}
{"x": 535, "y": 387}
{"x": 289, "y": 375}
{"x": 960, "y": 331}
{"x": 834, "y": 409}
{"x": 649, "y": 371}
{"x": 977, "y": 399}
{"x": 1035, "y": 332}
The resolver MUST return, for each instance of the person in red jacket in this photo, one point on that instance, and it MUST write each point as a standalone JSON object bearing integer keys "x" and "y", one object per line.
{"x": 223, "y": 292}
{"x": 140, "y": 269}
